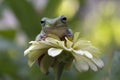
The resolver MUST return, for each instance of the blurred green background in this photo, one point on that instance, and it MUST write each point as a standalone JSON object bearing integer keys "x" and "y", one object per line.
{"x": 97, "y": 20}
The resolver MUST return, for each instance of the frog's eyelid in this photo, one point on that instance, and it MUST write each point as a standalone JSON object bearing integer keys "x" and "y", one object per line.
{"x": 43, "y": 19}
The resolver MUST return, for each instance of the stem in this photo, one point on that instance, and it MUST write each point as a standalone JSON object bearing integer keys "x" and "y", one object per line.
{"x": 109, "y": 66}
{"x": 59, "y": 71}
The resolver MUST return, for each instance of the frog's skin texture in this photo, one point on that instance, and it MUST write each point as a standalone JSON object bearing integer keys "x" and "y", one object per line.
{"x": 57, "y": 26}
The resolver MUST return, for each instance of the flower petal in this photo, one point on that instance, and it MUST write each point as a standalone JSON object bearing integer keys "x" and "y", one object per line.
{"x": 57, "y": 43}
{"x": 54, "y": 52}
{"x": 68, "y": 43}
{"x": 78, "y": 52}
{"x": 87, "y": 54}
{"x": 35, "y": 46}
{"x": 81, "y": 61}
{"x": 34, "y": 55}
{"x": 81, "y": 44}
{"x": 28, "y": 50}
{"x": 45, "y": 63}
{"x": 92, "y": 49}
{"x": 53, "y": 42}
{"x": 98, "y": 62}
{"x": 62, "y": 45}
{"x": 76, "y": 36}
{"x": 81, "y": 52}
{"x": 92, "y": 66}
{"x": 81, "y": 65}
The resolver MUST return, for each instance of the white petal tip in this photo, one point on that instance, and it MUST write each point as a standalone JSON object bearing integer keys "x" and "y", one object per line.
{"x": 54, "y": 52}
{"x": 98, "y": 62}
{"x": 86, "y": 53}
{"x": 31, "y": 42}
{"x": 25, "y": 52}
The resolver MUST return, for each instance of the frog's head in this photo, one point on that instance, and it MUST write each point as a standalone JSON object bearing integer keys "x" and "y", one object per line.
{"x": 53, "y": 23}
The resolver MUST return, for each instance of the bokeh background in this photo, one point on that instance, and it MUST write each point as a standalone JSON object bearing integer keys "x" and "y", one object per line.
{"x": 97, "y": 20}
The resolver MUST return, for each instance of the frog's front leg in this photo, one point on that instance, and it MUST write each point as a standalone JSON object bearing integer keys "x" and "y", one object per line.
{"x": 41, "y": 37}
{"x": 69, "y": 35}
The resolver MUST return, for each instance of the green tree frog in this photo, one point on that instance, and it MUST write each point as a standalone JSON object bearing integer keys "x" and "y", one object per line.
{"x": 57, "y": 26}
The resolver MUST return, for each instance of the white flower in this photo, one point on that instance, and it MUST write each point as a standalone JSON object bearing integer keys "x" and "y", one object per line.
{"x": 52, "y": 51}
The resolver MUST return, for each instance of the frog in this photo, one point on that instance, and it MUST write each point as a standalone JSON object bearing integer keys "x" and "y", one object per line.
{"x": 57, "y": 26}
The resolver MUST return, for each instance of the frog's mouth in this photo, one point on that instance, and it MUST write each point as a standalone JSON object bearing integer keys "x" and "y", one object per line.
{"x": 57, "y": 30}
{"x": 55, "y": 27}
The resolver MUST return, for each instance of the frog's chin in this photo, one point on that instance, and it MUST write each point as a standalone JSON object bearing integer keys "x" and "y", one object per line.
{"x": 59, "y": 31}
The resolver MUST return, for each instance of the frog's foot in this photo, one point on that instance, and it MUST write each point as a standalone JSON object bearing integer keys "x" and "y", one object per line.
{"x": 70, "y": 37}
{"x": 43, "y": 37}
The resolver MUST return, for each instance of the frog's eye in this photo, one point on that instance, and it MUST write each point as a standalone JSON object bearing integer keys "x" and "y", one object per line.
{"x": 63, "y": 19}
{"x": 42, "y": 22}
